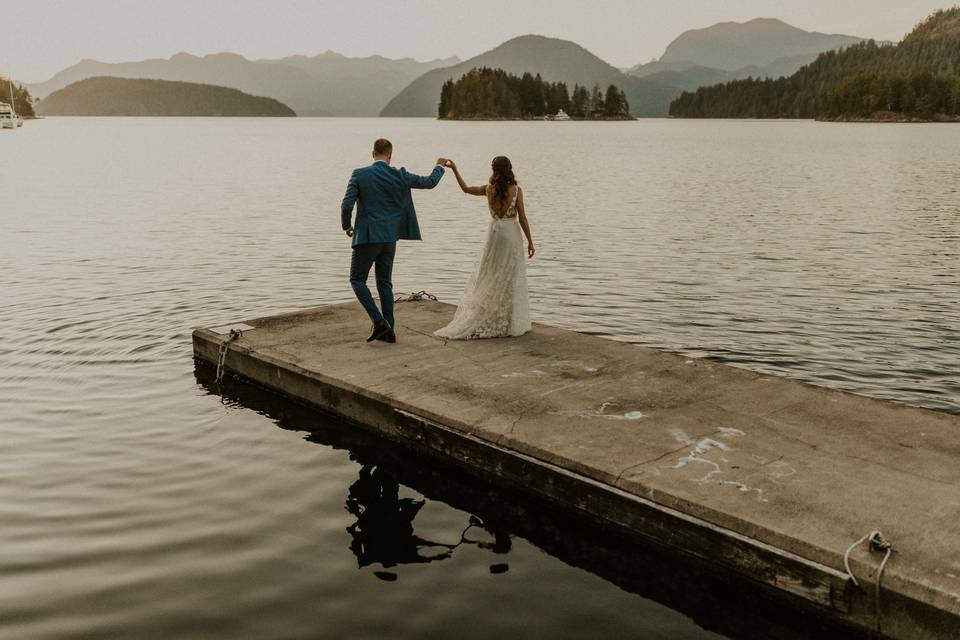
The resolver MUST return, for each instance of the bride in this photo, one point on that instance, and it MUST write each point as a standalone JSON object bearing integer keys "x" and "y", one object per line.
{"x": 495, "y": 302}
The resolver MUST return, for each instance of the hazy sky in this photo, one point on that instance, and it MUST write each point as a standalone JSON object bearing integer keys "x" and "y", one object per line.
{"x": 41, "y": 37}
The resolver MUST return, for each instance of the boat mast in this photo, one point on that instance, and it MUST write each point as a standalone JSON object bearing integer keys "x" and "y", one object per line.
{"x": 13, "y": 107}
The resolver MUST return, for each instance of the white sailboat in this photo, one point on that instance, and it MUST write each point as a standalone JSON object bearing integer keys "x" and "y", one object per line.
{"x": 9, "y": 118}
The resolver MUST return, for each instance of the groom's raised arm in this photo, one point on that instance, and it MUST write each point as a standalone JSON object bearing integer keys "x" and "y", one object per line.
{"x": 422, "y": 182}
{"x": 349, "y": 199}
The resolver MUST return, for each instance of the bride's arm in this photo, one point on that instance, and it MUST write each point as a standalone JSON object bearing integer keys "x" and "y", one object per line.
{"x": 473, "y": 191}
{"x": 522, "y": 214}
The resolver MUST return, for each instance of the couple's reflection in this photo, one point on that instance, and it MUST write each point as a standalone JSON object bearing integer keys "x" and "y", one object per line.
{"x": 383, "y": 532}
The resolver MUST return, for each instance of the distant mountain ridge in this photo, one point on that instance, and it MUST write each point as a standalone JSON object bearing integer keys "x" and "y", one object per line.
{"x": 330, "y": 84}
{"x": 327, "y": 84}
{"x": 733, "y": 45}
{"x": 759, "y": 48}
{"x": 104, "y": 96}
{"x": 554, "y": 59}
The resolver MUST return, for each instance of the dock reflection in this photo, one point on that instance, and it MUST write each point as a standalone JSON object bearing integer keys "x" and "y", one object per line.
{"x": 384, "y": 531}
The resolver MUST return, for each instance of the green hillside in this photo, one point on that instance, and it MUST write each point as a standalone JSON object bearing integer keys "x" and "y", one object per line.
{"x": 106, "y": 96}
{"x": 932, "y": 47}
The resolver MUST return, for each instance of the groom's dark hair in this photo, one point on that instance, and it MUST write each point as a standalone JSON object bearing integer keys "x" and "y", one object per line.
{"x": 382, "y": 147}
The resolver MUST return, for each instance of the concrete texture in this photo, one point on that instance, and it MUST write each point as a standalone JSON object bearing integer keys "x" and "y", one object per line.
{"x": 761, "y": 475}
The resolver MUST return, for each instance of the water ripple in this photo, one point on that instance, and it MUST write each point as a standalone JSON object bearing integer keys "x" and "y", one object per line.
{"x": 134, "y": 503}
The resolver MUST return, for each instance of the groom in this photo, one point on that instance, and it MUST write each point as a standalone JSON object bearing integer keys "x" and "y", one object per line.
{"x": 385, "y": 214}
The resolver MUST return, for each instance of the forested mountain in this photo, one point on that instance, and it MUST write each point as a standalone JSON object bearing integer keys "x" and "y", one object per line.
{"x": 22, "y": 102}
{"x": 555, "y": 60}
{"x": 761, "y": 48}
{"x": 894, "y": 95}
{"x": 491, "y": 94}
{"x": 325, "y": 84}
{"x": 934, "y": 46}
{"x": 136, "y": 97}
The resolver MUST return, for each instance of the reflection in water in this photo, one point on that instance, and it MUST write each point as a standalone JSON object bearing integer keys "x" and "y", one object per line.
{"x": 384, "y": 531}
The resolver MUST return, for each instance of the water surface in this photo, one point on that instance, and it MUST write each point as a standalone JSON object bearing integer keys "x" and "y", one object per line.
{"x": 135, "y": 504}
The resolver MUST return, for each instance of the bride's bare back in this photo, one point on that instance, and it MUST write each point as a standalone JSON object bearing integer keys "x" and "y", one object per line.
{"x": 496, "y": 208}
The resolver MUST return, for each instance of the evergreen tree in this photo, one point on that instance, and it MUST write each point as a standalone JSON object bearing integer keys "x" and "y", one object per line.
{"x": 596, "y": 102}
{"x": 539, "y": 97}
{"x": 556, "y": 97}
{"x": 615, "y": 103}
{"x": 446, "y": 94}
{"x": 579, "y": 102}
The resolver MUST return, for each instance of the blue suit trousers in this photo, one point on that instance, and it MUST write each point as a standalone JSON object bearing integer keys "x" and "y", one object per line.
{"x": 365, "y": 256}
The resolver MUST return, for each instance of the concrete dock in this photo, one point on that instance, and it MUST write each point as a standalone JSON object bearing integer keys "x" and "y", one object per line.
{"x": 763, "y": 476}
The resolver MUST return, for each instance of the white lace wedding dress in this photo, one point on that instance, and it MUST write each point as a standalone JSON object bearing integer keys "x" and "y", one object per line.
{"x": 495, "y": 303}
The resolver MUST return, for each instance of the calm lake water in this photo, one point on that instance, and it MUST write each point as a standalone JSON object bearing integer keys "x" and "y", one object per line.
{"x": 135, "y": 504}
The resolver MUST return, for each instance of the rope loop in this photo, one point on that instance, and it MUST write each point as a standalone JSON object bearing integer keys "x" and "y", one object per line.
{"x": 416, "y": 297}
{"x": 877, "y": 544}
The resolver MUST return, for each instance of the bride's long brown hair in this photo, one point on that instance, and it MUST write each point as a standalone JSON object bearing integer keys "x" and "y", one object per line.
{"x": 502, "y": 178}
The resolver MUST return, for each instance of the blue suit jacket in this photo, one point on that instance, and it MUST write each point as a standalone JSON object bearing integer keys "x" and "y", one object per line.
{"x": 385, "y": 211}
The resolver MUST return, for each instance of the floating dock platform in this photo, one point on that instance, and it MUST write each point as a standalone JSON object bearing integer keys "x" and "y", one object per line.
{"x": 766, "y": 477}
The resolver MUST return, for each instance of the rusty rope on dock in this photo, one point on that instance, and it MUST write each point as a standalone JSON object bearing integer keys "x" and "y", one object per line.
{"x": 416, "y": 297}
{"x": 877, "y": 544}
{"x": 224, "y": 347}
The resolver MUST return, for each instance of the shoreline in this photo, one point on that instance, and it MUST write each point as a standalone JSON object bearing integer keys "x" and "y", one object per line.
{"x": 939, "y": 119}
{"x": 542, "y": 119}
{"x": 893, "y": 118}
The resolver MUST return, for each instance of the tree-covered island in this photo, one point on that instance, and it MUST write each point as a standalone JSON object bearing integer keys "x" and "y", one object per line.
{"x": 494, "y": 94}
